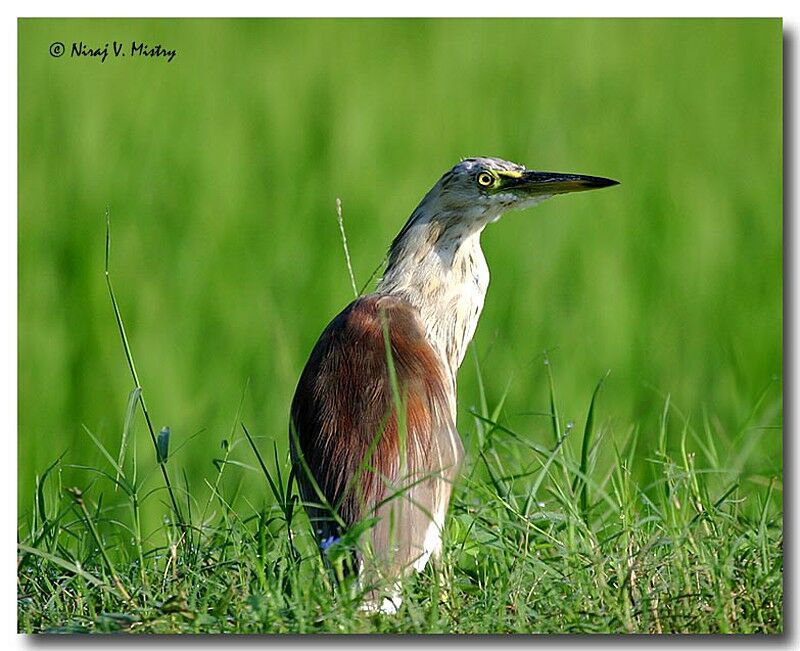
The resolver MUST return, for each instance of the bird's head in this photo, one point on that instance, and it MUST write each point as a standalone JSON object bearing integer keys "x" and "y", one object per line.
{"x": 474, "y": 193}
{"x": 480, "y": 190}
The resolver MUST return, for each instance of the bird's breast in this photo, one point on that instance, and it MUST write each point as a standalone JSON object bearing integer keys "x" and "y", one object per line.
{"x": 451, "y": 316}
{"x": 447, "y": 285}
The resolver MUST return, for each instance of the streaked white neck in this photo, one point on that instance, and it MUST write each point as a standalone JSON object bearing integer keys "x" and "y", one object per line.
{"x": 439, "y": 268}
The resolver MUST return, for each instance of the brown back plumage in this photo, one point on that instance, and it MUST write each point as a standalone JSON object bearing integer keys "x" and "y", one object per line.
{"x": 346, "y": 427}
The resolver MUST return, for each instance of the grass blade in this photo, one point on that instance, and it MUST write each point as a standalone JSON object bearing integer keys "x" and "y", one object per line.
{"x": 344, "y": 246}
{"x": 133, "y": 398}
{"x": 588, "y": 432}
{"x": 132, "y": 367}
{"x": 554, "y": 418}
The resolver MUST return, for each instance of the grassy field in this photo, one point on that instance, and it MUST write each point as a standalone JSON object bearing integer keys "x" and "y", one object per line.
{"x": 220, "y": 171}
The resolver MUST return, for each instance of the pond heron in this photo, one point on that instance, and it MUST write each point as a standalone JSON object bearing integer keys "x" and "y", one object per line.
{"x": 373, "y": 421}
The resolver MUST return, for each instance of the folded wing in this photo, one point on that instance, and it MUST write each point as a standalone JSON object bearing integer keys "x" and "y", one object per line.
{"x": 354, "y": 455}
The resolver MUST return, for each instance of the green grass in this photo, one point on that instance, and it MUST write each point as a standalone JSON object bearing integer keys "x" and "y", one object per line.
{"x": 661, "y": 511}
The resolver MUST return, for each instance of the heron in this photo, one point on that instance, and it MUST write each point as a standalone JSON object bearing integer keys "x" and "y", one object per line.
{"x": 373, "y": 420}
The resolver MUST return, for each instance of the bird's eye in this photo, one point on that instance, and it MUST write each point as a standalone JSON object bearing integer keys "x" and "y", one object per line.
{"x": 485, "y": 179}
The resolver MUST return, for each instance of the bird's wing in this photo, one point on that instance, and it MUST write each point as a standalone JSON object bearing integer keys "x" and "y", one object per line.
{"x": 350, "y": 448}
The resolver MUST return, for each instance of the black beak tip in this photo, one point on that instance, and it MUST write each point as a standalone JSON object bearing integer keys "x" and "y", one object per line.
{"x": 601, "y": 182}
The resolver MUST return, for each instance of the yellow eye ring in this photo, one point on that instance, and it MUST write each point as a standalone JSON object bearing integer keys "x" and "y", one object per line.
{"x": 485, "y": 179}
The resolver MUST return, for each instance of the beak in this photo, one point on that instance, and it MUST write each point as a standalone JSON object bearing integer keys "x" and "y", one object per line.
{"x": 549, "y": 183}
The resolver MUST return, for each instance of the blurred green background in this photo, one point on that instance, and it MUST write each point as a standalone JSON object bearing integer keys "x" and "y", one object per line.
{"x": 221, "y": 170}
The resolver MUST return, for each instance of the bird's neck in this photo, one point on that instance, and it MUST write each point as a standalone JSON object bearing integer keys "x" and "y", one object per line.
{"x": 440, "y": 269}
